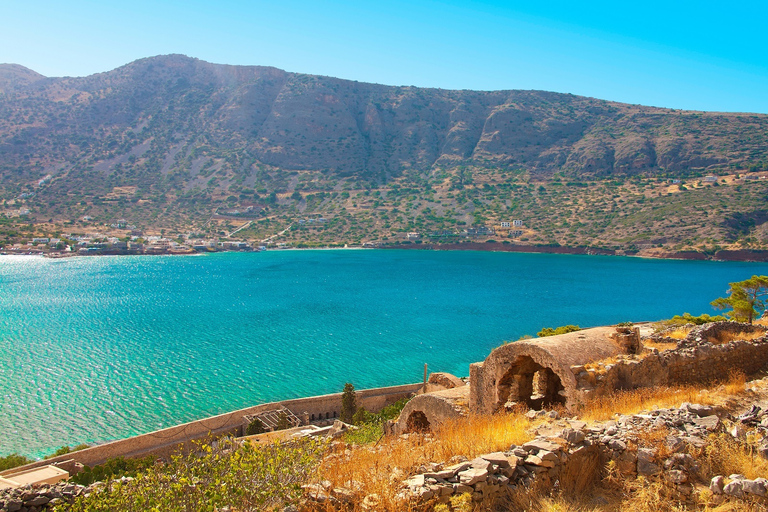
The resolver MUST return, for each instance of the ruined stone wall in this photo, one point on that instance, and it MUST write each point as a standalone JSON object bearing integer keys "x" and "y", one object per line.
{"x": 162, "y": 443}
{"x": 701, "y": 357}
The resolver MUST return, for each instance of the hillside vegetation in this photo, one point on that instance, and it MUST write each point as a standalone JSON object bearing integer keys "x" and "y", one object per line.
{"x": 183, "y": 145}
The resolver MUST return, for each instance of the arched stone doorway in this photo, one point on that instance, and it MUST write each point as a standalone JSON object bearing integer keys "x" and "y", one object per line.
{"x": 528, "y": 383}
{"x": 417, "y": 422}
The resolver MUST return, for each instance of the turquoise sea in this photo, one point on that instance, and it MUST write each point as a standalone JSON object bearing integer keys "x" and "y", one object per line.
{"x": 100, "y": 348}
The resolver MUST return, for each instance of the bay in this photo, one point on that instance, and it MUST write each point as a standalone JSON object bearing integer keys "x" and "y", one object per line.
{"x": 101, "y": 348}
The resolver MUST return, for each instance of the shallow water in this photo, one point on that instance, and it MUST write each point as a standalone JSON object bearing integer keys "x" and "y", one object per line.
{"x": 100, "y": 348}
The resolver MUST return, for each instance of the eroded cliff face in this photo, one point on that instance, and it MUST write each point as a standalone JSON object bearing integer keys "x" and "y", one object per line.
{"x": 178, "y": 105}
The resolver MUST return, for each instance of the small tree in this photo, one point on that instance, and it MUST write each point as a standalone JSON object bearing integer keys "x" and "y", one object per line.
{"x": 747, "y": 299}
{"x": 254, "y": 427}
{"x": 282, "y": 421}
{"x": 348, "y": 403}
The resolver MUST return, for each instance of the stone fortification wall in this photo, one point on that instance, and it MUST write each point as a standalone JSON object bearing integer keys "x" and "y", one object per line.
{"x": 705, "y": 355}
{"x": 162, "y": 443}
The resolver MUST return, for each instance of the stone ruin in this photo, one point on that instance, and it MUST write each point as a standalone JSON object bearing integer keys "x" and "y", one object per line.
{"x": 569, "y": 369}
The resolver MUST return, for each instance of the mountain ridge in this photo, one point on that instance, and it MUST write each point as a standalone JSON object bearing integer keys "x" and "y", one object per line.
{"x": 177, "y": 134}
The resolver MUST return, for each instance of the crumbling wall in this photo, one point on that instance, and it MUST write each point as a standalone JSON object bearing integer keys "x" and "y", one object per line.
{"x": 701, "y": 357}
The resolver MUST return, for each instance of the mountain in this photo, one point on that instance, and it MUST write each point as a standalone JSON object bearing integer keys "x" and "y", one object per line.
{"x": 169, "y": 138}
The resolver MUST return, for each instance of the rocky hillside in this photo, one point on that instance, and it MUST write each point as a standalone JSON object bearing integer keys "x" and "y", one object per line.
{"x": 164, "y": 141}
{"x": 172, "y": 105}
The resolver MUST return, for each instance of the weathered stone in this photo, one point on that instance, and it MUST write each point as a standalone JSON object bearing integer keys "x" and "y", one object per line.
{"x": 343, "y": 494}
{"x": 415, "y": 481}
{"x": 646, "y": 468}
{"x": 456, "y": 468}
{"x": 315, "y": 492}
{"x": 547, "y": 456}
{"x": 677, "y": 476}
{"x": 734, "y": 488}
{"x": 473, "y": 475}
{"x": 444, "y": 474}
{"x": 711, "y": 423}
{"x": 540, "y": 444}
{"x": 480, "y": 463}
{"x": 461, "y": 488}
{"x": 754, "y": 487}
{"x": 617, "y": 444}
{"x": 573, "y": 436}
{"x": 497, "y": 458}
{"x": 535, "y": 460}
{"x": 717, "y": 484}
{"x": 37, "y": 501}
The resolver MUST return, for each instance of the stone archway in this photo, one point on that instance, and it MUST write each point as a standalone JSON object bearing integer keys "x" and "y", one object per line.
{"x": 529, "y": 383}
{"x": 417, "y": 422}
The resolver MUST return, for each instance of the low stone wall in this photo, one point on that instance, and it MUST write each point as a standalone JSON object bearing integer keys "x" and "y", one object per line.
{"x": 162, "y": 443}
{"x": 700, "y": 358}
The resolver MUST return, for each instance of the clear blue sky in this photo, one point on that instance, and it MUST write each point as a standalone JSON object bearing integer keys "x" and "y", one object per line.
{"x": 681, "y": 54}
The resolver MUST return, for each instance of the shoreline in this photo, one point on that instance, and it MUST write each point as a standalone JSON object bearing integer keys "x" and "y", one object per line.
{"x": 732, "y": 255}
{"x": 740, "y": 255}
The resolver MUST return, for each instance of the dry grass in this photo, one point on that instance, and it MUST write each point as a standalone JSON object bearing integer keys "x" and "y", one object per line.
{"x": 678, "y": 334}
{"x": 644, "y": 399}
{"x": 370, "y": 468}
{"x": 727, "y": 337}
{"x": 661, "y": 347}
{"x": 380, "y": 469}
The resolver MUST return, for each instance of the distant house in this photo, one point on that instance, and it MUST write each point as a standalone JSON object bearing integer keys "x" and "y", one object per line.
{"x": 710, "y": 179}
{"x": 412, "y": 235}
{"x": 516, "y": 234}
{"x": 517, "y": 223}
{"x": 40, "y": 240}
{"x": 506, "y": 224}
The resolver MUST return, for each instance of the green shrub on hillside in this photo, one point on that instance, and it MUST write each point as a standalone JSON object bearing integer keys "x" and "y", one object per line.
{"x": 67, "y": 449}
{"x": 563, "y": 329}
{"x": 210, "y": 478}
{"x": 371, "y": 425}
{"x": 112, "y": 469}
{"x": 13, "y": 460}
{"x": 688, "y": 318}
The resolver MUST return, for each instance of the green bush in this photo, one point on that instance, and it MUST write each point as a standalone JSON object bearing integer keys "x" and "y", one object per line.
{"x": 688, "y": 318}
{"x": 112, "y": 469}
{"x": 371, "y": 425}
{"x": 254, "y": 427}
{"x": 563, "y": 329}
{"x": 210, "y": 478}
{"x": 67, "y": 449}
{"x": 13, "y": 460}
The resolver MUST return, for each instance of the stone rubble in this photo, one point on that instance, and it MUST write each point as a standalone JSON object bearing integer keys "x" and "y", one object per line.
{"x": 40, "y": 497}
{"x": 619, "y": 440}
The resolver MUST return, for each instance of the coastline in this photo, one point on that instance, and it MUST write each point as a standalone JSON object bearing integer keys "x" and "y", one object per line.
{"x": 735, "y": 255}
{"x": 745, "y": 255}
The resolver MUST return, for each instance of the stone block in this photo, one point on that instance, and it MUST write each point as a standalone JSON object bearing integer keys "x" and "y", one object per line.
{"x": 473, "y": 475}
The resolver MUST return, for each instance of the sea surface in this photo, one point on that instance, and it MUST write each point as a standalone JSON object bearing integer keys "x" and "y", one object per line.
{"x": 100, "y": 348}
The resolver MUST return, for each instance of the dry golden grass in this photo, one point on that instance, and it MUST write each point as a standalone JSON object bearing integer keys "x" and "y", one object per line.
{"x": 727, "y": 337}
{"x": 761, "y": 321}
{"x": 643, "y": 399}
{"x": 372, "y": 467}
{"x": 678, "y": 334}
{"x": 369, "y": 469}
{"x": 661, "y": 347}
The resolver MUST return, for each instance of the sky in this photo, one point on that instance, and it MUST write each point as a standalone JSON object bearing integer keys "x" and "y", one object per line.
{"x": 697, "y": 55}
